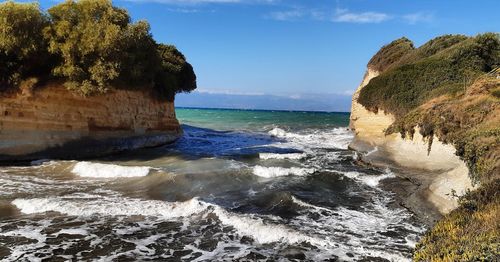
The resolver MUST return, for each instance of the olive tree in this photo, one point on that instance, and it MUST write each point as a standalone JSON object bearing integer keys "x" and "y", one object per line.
{"x": 22, "y": 46}
{"x": 88, "y": 35}
{"x": 176, "y": 74}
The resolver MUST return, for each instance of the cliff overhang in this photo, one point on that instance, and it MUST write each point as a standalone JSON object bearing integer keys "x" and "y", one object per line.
{"x": 53, "y": 122}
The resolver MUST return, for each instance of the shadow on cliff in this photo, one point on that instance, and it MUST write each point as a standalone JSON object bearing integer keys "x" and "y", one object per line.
{"x": 198, "y": 142}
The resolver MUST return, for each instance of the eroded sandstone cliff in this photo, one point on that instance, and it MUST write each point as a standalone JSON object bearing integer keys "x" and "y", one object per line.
{"x": 52, "y": 122}
{"x": 447, "y": 173}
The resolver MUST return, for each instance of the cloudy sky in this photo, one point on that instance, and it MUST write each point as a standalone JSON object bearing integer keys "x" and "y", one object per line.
{"x": 298, "y": 48}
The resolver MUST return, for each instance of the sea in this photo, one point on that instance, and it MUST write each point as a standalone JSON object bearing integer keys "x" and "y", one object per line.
{"x": 240, "y": 185}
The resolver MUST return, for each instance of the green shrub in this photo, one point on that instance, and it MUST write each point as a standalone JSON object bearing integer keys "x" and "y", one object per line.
{"x": 469, "y": 233}
{"x": 453, "y": 62}
{"x": 89, "y": 36}
{"x": 91, "y": 46}
{"x": 175, "y": 71}
{"x": 391, "y": 54}
{"x": 22, "y": 46}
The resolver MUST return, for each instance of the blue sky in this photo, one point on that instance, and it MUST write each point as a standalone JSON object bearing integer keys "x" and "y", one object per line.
{"x": 295, "y": 48}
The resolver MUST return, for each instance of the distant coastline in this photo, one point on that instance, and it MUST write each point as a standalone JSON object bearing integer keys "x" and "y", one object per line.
{"x": 262, "y": 110}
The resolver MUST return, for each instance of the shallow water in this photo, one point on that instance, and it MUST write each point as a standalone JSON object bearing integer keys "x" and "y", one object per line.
{"x": 240, "y": 185}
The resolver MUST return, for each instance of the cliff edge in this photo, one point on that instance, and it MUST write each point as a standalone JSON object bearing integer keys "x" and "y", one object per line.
{"x": 447, "y": 173}
{"x": 53, "y": 122}
{"x": 432, "y": 113}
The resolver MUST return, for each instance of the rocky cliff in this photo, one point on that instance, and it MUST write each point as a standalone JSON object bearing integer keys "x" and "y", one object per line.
{"x": 446, "y": 171}
{"x": 52, "y": 122}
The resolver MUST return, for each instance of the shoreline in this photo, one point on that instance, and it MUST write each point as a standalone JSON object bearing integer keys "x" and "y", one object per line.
{"x": 411, "y": 186}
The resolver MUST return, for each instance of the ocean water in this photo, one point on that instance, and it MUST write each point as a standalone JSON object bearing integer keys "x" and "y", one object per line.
{"x": 238, "y": 186}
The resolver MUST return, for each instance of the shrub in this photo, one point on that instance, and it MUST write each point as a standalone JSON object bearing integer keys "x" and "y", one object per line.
{"x": 453, "y": 62}
{"x": 91, "y": 46}
{"x": 175, "y": 72}
{"x": 88, "y": 35}
{"x": 469, "y": 233}
{"x": 22, "y": 47}
{"x": 390, "y": 54}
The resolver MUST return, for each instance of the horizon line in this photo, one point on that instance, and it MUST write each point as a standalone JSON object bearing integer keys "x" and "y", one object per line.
{"x": 256, "y": 109}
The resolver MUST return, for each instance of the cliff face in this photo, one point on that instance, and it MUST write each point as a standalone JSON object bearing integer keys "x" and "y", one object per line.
{"x": 446, "y": 171}
{"x": 52, "y": 122}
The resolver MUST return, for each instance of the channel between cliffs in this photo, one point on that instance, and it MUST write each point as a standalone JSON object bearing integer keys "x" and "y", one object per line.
{"x": 438, "y": 174}
{"x": 53, "y": 122}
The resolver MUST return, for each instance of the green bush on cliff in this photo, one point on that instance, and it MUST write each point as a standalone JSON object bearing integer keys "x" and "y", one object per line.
{"x": 429, "y": 71}
{"x": 391, "y": 54}
{"x": 175, "y": 71}
{"x": 94, "y": 47}
{"x": 23, "y": 50}
{"x": 89, "y": 36}
{"x": 469, "y": 233}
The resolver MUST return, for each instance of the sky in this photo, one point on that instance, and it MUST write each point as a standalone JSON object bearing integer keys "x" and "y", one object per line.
{"x": 298, "y": 50}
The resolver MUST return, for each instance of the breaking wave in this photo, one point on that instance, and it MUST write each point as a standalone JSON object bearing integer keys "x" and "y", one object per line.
{"x": 370, "y": 180}
{"x": 99, "y": 170}
{"x": 294, "y": 156}
{"x": 269, "y": 172}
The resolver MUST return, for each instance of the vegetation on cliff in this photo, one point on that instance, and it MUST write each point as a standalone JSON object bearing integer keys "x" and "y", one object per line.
{"x": 90, "y": 45}
{"x": 449, "y": 88}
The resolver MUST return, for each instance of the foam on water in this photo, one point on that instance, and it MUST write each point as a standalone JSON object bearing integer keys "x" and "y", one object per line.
{"x": 109, "y": 206}
{"x": 295, "y": 156}
{"x": 269, "y": 172}
{"x": 331, "y": 138}
{"x": 259, "y": 231}
{"x": 98, "y": 170}
{"x": 370, "y": 180}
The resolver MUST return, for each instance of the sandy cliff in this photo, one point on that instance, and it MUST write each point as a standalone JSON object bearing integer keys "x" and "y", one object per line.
{"x": 440, "y": 171}
{"x": 52, "y": 122}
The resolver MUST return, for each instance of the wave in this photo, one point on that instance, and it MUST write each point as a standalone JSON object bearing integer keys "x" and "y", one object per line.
{"x": 369, "y": 180}
{"x": 269, "y": 172}
{"x": 294, "y": 156}
{"x": 98, "y": 170}
{"x": 261, "y": 232}
{"x": 332, "y": 138}
{"x": 88, "y": 205}
{"x": 261, "y": 228}
{"x": 304, "y": 204}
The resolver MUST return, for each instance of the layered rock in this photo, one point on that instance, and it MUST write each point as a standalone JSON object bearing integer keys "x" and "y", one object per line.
{"x": 443, "y": 172}
{"x": 52, "y": 122}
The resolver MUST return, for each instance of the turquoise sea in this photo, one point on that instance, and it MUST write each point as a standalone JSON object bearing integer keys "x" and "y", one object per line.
{"x": 240, "y": 185}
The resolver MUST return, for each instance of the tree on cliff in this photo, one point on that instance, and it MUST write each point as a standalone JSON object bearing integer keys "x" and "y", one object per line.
{"x": 90, "y": 45}
{"x": 175, "y": 71}
{"x": 90, "y": 36}
{"x": 23, "y": 50}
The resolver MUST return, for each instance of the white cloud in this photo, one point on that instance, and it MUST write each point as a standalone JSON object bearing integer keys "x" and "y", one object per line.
{"x": 418, "y": 17}
{"x": 287, "y": 15}
{"x": 345, "y": 16}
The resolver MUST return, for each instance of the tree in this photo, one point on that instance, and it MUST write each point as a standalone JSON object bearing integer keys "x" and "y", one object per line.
{"x": 88, "y": 35}
{"x": 23, "y": 50}
{"x": 176, "y": 74}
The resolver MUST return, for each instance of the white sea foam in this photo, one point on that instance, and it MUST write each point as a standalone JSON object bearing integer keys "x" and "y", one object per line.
{"x": 370, "y": 180}
{"x": 98, "y": 170}
{"x": 331, "y": 138}
{"x": 294, "y": 156}
{"x": 73, "y": 231}
{"x": 304, "y": 204}
{"x": 259, "y": 231}
{"x": 110, "y": 206}
{"x": 269, "y": 172}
